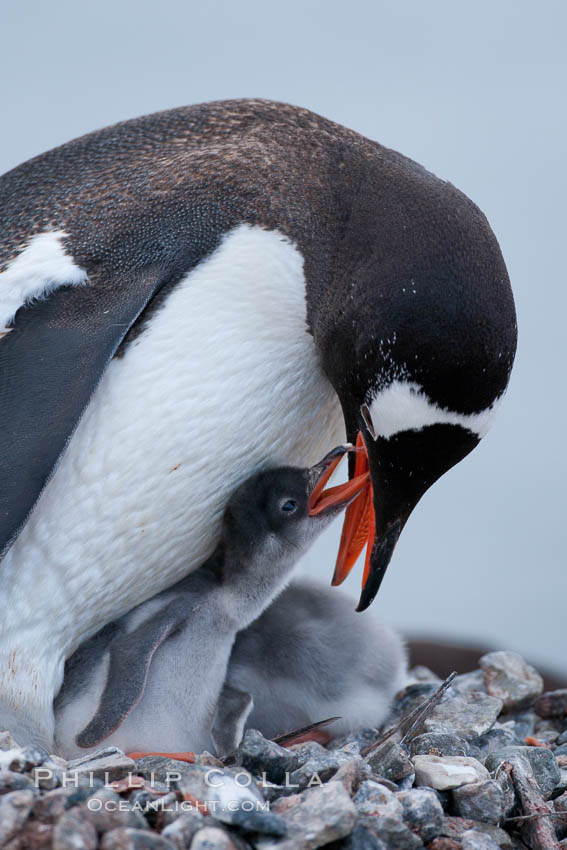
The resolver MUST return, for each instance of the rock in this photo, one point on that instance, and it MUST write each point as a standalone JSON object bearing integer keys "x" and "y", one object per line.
{"x": 363, "y": 837}
{"x": 467, "y": 683}
{"x": 12, "y": 781}
{"x": 261, "y": 823}
{"x": 562, "y": 738}
{"x": 542, "y": 761}
{"x": 560, "y": 806}
{"x": 552, "y": 704}
{"x": 168, "y": 772}
{"x": 395, "y": 835}
{"x": 105, "y": 811}
{"x": 391, "y": 762}
{"x": 314, "y": 818}
{"x": 508, "y": 677}
{"x": 109, "y": 765}
{"x": 455, "y": 827}
{"x": 376, "y": 800}
{"x": 181, "y": 830}
{"x": 445, "y": 844}
{"x": 409, "y": 698}
{"x": 420, "y": 673}
{"x": 15, "y": 807}
{"x": 352, "y": 774}
{"x": 473, "y": 840}
{"x": 546, "y": 731}
{"x": 34, "y": 835}
{"x": 483, "y": 801}
{"x": 212, "y": 838}
{"x": 446, "y": 772}
{"x": 319, "y": 769}
{"x": 308, "y": 750}
{"x": 223, "y": 793}
{"x": 492, "y": 740}
{"x": 73, "y": 831}
{"x": 134, "y": 839}
{"x": 560, "y": 751}
{"x": 468, "y": 716}
{"x": 523, "y": 723}
{"x": 260, "y": 756}
{"x": 49, "y": 775}
{"x": 49, "y": 807}
{"x": 422, "y": 812}
{"x": 438, "y": 744}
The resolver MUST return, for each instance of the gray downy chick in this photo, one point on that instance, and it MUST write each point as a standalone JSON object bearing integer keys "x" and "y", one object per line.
{"x": 309, "y": 656}
{"x": 151, "y": 679}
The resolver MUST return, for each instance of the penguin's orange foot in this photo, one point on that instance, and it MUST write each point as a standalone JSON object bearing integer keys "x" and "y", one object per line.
{"x": 188, "y": 757}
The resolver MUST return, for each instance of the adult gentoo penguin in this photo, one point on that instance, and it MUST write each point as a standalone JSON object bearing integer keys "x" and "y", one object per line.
{"x": 191, "y": 295}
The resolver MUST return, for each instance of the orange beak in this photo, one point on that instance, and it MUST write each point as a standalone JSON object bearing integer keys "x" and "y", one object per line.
{"x": 359, "y": 522}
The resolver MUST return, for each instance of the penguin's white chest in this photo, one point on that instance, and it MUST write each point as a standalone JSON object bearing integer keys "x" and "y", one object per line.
{"x": 223, "y": 380}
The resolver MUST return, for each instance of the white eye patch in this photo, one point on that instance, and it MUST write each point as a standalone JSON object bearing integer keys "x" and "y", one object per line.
{"x": 404, "y": 406}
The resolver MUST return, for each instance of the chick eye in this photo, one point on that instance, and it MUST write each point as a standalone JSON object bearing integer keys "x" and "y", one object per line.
{"x": 289, "y": 506}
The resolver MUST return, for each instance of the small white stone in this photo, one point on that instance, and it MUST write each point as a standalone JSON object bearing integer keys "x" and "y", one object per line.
{"x": 446, "y": 772}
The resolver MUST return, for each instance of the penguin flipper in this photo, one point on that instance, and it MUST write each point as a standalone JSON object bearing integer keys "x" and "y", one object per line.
{"x": 50, "y": 364}
{"x": 130, "y": 659}
{"x": 233, "y": 709}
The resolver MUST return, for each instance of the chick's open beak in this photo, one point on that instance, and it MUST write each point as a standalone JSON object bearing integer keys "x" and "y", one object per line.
{"x": 322, "y": 500}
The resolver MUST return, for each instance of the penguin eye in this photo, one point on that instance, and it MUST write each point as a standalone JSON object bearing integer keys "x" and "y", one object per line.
{"x": 289, "y": 506}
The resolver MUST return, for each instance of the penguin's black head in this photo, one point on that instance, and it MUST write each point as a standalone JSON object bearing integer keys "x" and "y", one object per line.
{"x": 418, "y": 337}
{"x": 286, "y": 508}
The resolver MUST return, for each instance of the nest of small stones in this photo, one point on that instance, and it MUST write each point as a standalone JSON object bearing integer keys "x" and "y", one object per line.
{"x": 476, "y": 763}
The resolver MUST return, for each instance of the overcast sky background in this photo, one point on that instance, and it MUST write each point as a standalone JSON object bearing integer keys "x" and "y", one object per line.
{"x": 476, "y": 92}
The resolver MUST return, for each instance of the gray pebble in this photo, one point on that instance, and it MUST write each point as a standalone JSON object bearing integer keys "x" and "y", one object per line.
{"x": 314, "y": 818}
{"x": 468, "y": 715}
{"x": 395, "y": 835}
{"x": 473, "y": 840}
{"x": 511, "y": 679}
{"x": 482, "y": 801}
{"x": 181, "y": 830}
{"x": 560, "y": 751}
{"x": 422, "y": 812}
{"x": 547, "y": 731}
{"x": 262, "y": 823}
{"x": 467, "y": 683}
{"x": 439, "y": 744}
{"x": 560, "y": 806}
{"x": 105, "y": 811}
{"x": 391, "y": 761}
{"x": 552, "y": 704}
{"x": 15, "y": 807}
{"x": 74, "y": 832}
{"x": 319, "y": 769}
{"x": 494, "y": 739}
{"x": 542, "y": 761}
{"x": 524, "y": 723}
{"x": 212, "y": 838}
{"x": 258, "y": 755}
{"x": 363, "y": 837}
{"x": 12, "y": 781}
{"x": 375, "y": 800}
{"x": 134, "y": 839}
{"x": 562, "y": 738}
